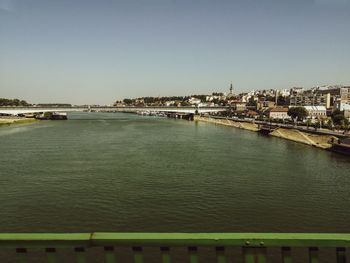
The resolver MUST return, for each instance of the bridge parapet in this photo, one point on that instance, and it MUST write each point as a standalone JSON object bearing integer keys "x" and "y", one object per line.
{"x": 253, "y": 245}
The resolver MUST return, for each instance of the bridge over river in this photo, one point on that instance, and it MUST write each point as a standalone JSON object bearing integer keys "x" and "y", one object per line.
{"x": 185, "y": 110}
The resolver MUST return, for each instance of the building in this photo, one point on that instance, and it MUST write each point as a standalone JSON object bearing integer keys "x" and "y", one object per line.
{"x": 284, "y": 93}
{"x": 335, "y": 94}
{"x": 265, "y": 105}
{"x": 310, "y": 98}
{"x": 230, "y": 94}
{"x": 342, "y": 94}
{"x": 348, "y": 90}
{"x": 346, "y": 110}
{"x": 239, "y": 106}
{"x": 296, "y": 90}
{"x": 214, "y": 97}
{"x": 194, "y": 101}
{"x": 345, "y": 107}
{"x": 169, "y": 103}
{"x": 279, "y": 114}
{"x": 320, "y": 96}
{"x": 316, "y": 112}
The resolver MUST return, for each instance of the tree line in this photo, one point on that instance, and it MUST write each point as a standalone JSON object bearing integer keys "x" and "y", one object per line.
{"x": 13, "y": 102}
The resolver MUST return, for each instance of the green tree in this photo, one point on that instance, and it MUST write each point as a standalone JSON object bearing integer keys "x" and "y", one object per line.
{"x": 218, "y": 94}
{"x": 23, "y": 103}
{"x": 308, "y": 123}
{"x": 127, "y": 101}
{"x": 298, "y": 113}
{"x": 329, "y": 124}
{"x": 339, "y": 120}
{"x": 251, "y": 102}
{"x": 13, "y": 102}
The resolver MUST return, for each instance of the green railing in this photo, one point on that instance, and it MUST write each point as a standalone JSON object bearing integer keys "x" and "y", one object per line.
{"x": 253, "y": 245}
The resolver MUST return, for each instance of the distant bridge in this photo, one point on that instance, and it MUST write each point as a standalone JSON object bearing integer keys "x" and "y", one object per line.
{"x": 33, "y": 109}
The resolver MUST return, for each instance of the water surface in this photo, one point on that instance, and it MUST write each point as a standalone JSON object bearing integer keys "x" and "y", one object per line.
{"x": 120, "y": 172}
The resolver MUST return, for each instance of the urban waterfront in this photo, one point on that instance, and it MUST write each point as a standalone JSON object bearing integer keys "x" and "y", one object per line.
{"x": 126, "y": 173}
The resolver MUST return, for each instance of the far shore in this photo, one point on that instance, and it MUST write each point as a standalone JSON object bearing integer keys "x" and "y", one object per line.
{"x": 5, "y": 121}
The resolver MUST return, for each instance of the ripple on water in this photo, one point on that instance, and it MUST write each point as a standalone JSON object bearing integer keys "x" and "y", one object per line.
{"x": 119, "y": 172}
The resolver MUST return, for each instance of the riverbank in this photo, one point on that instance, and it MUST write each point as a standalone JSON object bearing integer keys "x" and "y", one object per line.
{"x": 319, "y": 141}
{"x": 316, "y": 140}
{"x": 228, "y": 122}
{"x": 10, "y": 121}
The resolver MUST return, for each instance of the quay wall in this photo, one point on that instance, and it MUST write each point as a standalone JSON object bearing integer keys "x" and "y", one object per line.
{"x": 228, "y": 122}
{"x": 316, "y": 140}
{"x": 319, "y": 141}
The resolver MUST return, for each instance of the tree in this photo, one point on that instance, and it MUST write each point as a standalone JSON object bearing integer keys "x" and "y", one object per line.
{"x": 298, "y": 113}
{"x": 127, "y": 101}
{"x": 13, "y": 102}
{"x": 251, "y": 102}
{"x": 329, "y": 124}
{"x": 308, "y": 123}
{"x": 222, "y": 102}
{"x": 318, "y": 124}
{"x": 339, "y": 120}
{"x": 23, "y": 103}
{"x": 218, "y": 94}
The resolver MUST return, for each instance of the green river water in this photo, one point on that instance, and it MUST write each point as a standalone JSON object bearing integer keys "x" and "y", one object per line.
{"x": 122, "y": 172}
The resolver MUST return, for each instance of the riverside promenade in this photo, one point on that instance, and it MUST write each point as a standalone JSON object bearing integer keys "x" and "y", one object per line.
{"x": 320, "y": 138}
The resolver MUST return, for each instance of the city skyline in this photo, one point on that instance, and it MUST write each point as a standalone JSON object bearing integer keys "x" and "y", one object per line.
{"x": 98, "y": 52}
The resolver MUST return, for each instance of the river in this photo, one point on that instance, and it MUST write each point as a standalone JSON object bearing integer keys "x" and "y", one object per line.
{"x": 123, "y": 172}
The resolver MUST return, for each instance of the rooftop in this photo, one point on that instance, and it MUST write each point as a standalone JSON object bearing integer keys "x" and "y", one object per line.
{"x": 279, "y": 110}
{"x": 315, "y": 108}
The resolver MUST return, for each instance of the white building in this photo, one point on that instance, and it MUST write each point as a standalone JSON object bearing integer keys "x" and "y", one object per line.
{"x": 345, "y": 107}
{"x": 169, "y": 103}
{"x": 316, "y": 112}
{"x": 210, "y": 104}
{"x": 213, "y": 97}
{"x": 284, "y": 92}
{"x": 339, "y": 105}
{"x": 279, "y": 113}
{"x": 194, "y": 101}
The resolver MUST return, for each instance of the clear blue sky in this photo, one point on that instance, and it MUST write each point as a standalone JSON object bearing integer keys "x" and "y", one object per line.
{"x": 83, "y": 51}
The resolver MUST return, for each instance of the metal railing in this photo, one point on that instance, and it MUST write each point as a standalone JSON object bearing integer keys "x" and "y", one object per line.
{"x": 253, "y": 245}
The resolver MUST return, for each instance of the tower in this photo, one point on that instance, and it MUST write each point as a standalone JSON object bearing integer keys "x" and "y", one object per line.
{"x": 276, "y": 97}
{"x": 231, "y": 90}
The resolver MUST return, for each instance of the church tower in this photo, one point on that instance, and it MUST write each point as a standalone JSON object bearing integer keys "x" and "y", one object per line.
{"x": 231, "y": 90}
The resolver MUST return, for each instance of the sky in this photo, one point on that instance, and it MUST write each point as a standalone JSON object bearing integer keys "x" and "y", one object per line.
{"x": 96, "y": 52}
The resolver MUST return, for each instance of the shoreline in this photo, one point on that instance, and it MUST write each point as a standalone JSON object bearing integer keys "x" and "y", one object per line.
{"x": 311, "y": 139}
{"x": 12, "y": 121}
{"x": 228, "y": 122}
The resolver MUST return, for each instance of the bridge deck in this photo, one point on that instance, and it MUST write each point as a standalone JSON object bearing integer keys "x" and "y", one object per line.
{"x": 27, "y": 110}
